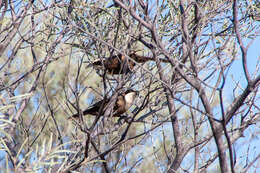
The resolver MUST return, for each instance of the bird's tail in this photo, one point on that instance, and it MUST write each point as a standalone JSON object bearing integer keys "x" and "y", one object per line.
{"x": 142, "y": 59}
{"x": 96, "y": 63}
{"x": 90, "y": 111}
{"x": 75, "y": 116}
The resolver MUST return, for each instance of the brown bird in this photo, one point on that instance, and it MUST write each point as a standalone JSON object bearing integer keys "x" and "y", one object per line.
{"x": 123, "y": 103}
{"x": 119, "y": 64}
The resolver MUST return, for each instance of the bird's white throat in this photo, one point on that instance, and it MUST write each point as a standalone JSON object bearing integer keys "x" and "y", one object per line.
{"x": 129, "y": 99}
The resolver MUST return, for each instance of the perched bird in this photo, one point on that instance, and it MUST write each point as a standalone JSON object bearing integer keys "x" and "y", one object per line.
{"x": 119, "y": 64}
{"x": 122, "y": 104}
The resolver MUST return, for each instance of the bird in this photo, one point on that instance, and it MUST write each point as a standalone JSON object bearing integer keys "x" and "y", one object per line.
{"x": 123, "y": 103}
{"x": 120, "y": 64}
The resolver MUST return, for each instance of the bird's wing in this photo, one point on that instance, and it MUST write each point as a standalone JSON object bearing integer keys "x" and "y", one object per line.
{"x": 92, "y": 110}
{"x": 114, "y": 62}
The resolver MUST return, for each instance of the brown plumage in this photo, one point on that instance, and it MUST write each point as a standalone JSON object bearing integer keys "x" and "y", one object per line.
{"x": 119, "y": 64}
{"x": 123, "y": 103}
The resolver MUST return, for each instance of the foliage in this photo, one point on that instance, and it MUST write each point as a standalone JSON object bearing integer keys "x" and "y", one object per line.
{"x": 198, "y": 104}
